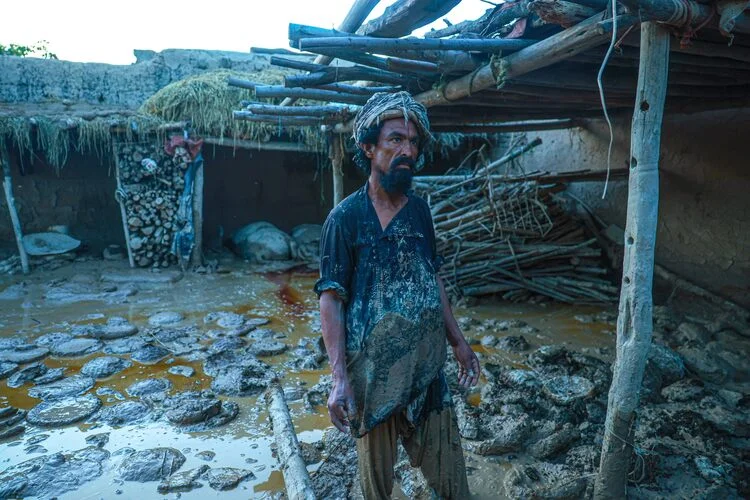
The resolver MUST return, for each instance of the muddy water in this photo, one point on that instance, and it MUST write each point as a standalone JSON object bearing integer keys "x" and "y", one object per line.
{"x": 286, "y": 299}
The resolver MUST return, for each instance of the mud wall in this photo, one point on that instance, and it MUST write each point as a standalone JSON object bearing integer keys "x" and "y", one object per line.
{"x": 80, "y": 197}
{"x": 704, "y": 206}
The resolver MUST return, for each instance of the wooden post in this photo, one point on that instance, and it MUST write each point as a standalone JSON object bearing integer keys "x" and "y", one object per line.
{"x": 120, "y": 197}
{"x": 8, "y": 188}
{"x": 296, "y": 478}
{"x": 634, "y": 322}
{"x": 196, "y": 258}
{"x": 336, "y": 154}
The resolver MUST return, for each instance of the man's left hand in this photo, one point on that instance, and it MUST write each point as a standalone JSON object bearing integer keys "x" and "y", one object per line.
{"x": 468, "y": 364}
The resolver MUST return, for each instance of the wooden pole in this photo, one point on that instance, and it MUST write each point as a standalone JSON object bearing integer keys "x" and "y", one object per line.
{"x": 336, "y": 154}
{"x": 8, "y": 188}
{"x": 374, "y": 44}
{"x": 196, "y": 257}
{"x": 296, "y": 478}
{"x": 120, "y": 197}
{"x": 634, "y": 322}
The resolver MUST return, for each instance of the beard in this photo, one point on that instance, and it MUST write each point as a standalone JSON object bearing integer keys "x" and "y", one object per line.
{"x": 398, "y": 180}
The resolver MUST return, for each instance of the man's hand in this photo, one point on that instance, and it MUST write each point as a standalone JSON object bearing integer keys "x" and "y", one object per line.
{"x": 468, "y": 364}
{"x": 341, "y": 403}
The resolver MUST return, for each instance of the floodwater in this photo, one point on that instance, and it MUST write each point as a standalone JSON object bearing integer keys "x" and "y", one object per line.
{"x": 285, "y": 298}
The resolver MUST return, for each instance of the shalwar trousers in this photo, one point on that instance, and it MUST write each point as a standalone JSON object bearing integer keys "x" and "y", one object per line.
{"x": 434, "y": 447}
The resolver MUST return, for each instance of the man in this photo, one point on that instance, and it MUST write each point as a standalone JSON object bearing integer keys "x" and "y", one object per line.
{"x": 384, "y": 312}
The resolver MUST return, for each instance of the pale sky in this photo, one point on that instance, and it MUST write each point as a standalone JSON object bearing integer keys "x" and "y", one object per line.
{"x": 105, "y": 31}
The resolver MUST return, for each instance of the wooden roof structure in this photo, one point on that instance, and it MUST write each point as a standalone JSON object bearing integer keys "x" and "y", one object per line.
{"x": 541, "y": 60}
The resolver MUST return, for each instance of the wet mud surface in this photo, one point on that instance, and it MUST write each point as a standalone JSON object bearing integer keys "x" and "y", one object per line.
{"x": 132, "y": 383}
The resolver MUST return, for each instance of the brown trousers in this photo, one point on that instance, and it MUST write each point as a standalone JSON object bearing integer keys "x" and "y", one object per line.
{"x": 434, "y": 447}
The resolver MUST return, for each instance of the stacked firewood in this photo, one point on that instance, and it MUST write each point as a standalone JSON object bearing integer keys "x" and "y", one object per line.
{"x": 151, "y": 185}
{"x": 513, "y": 238}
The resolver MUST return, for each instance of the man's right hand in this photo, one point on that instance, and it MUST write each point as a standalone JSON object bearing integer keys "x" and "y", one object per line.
{"x": 341, "y": 403}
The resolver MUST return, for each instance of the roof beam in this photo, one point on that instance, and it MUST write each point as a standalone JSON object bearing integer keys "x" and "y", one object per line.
{"x": 404, "y": 16}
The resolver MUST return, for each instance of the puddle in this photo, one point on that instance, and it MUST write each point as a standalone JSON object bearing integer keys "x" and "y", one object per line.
{"x": 285, "y": 298}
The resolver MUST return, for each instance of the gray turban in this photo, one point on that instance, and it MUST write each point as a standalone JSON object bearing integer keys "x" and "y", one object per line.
{"x": 384, "y": 106}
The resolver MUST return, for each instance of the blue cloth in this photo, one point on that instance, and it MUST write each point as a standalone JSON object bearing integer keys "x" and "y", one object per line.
{"x": 395, "y": 334}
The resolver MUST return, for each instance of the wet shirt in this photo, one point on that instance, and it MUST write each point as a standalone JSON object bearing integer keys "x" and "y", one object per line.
{"x": 395, "y": 334}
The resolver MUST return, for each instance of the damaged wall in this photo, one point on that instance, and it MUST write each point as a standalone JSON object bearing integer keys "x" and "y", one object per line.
{"x": 704, "y": 208}
{"x": 81, "y": 197}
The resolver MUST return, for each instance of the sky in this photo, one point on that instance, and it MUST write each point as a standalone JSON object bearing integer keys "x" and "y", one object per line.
{"x": 108, "y": 32}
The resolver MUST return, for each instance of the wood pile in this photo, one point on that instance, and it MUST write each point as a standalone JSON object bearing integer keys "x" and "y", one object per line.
{"x": 513, "y": 238}
{"x": 151, "y": 183}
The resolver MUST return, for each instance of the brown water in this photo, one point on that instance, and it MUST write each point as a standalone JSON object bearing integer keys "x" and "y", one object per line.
{"x": 287, "y": 299}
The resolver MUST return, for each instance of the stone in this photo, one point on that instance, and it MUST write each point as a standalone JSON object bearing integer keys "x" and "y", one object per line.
{"x": 105, "y": 366}
{"x": 165, "y": 318}
{"x": 707, "y": 366}
{"x": 692, "y": 334}
{"x": 667, "y": 362}
{"x": 215, "y": 363}
{"x": 240, "y": 381}
{"x": 468, "y": 420}
{"x": 7, "y": 411}
{"x": 151, "y": 465}
{"x": 529, "y": 330}
{"x": 256, "y": 322}
{"x": 124, "y": 345}
{"x": 149, "y": 386}
{"x": 182, "y": 481}
{"x": 544, "y": 480}
{"x": 62, "y": 412}
{"x": 565, "y": 390}
{"x": 27, "y": 374}
{"x": 7, "y": 368}
{"x": 63, "y": 388}
{"x": 127, "y": 412}
{"x": 310, "y": 453}
{"x": 513, "y": 343}
{"x": 488, "y": 341}
{"x": 98, "y": 440}
{"x": 37, "y": 448}
{"x": 24, "y": 353}
{"x": 225, "y": 344}
{"x": 108, "y": 391}
{"x": 11, "y": 431}
{"x": 556, "y": 443}
{"x": 509, "y": 434}
{"x": 190, "y": 408}
{"x": 50, "y": 476}
{"x": 261, "y": 242}
{"x": 230, "y": 320}
{"x": 149, "y": 354}
{"x": 265, "y": 348}
{"x": 115, "y": 328}
{"x": 227, "y": 478}
{"x": 181, "y": 370}
{"x": 53, "y": 338}
{"x": 51, "y": 375}
{"x": 76, "y": 347}
{"x": 683, "y": 391}
{"x": 206, "y": 455}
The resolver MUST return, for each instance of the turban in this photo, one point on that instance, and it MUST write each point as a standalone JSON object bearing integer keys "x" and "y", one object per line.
{"x": 384, "y": 106}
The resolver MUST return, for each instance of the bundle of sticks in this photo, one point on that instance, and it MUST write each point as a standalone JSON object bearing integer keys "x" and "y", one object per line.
{"x": 510, "y": 236}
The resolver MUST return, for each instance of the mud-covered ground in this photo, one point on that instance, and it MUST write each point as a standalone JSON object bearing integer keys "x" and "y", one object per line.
{"x": 133, "y": 383}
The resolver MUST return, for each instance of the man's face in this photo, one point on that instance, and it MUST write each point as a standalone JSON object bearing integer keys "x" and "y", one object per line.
{"x": 393, "y": 158}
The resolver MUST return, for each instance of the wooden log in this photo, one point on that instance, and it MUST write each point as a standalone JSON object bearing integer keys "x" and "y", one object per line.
{"x": 296, "y": 478}
{"x": 499, "y": 128}
{"x": 561, "y": 12}
{"x": 358, "y": 90}
{"x": 245, "y": 84}
{"x": 404, "y": 16}
{"x": 312, "y": 94}
{"x": 357, "y": 14}
{"x": 686, "y": 14}
{"x": 293, "y": 64}
{"x": 344, "y": 74}
{"x": 283, "y": 52}
{"x": 634, "y": 322}
{"x": 373, "y": 44}
{"x": 282, "y": 121}
{"x": 196, "y": 256}
{"x": 468, "y": 26}
{"x": 123, "y": 212}
{"x": 336, "y": 155}
{"x": 541, "y": 178}
{"x": 15, "y": 221}
{"x": 259, "y": 145}
{"x": 320, "y": 111}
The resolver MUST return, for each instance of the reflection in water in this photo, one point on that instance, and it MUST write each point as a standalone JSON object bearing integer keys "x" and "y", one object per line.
{"x": 286, "y": 299}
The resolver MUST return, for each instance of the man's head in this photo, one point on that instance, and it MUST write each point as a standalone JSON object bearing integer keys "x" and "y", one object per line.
{"x": 391, "y": 131}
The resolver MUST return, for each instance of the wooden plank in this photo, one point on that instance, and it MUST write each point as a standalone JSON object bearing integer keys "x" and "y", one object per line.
{"x": 15, "y": 221}
{"x": 259, "y": 145}
{"x": 634, "y": 321}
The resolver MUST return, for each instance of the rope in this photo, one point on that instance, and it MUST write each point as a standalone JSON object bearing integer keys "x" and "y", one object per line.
{"x": 599, "y": 84}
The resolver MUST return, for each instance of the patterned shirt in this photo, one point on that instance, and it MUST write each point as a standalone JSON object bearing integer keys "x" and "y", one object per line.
{"x": 395, "y": 334}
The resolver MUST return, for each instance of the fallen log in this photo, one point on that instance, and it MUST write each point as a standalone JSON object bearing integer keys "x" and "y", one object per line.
{"x": 296, "y": 478}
